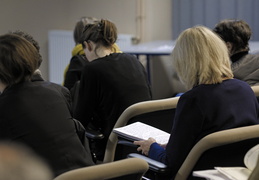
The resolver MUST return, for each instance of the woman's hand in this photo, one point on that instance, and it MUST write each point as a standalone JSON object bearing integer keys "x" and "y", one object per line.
{"x": 144, "y": 146}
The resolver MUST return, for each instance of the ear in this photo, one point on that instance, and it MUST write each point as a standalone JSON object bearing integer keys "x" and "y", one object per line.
{"x": 88, "y": 46}
{"x": 229, "y": 46}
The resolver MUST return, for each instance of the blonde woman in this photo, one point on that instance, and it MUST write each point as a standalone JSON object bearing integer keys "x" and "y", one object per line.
{"x": 215, "y": 101}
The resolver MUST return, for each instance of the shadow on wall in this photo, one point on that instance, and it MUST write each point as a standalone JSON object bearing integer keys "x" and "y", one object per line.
{"x": 164, "y": 80}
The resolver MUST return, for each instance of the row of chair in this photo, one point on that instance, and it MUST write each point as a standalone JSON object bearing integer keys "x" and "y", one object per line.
{"x": 224, "y": 148}
{"x": 133, "y": 168}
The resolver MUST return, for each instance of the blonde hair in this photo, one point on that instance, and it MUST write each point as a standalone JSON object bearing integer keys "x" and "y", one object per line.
{"x": 116, "y": 49}
{"x": 201, "y": 57}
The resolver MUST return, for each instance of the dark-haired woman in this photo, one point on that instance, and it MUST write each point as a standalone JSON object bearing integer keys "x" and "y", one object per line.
{"x": 73, "y": 71}
{"x": 110, "y": 83}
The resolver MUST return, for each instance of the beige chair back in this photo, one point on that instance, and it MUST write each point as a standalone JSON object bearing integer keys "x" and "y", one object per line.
{"x": 214, "y": 140}
{"x": 256, "y": 90}
{"x": 255, "y": 173}
{"x": 134, "y": 110}
{"x": 131, "y": 166}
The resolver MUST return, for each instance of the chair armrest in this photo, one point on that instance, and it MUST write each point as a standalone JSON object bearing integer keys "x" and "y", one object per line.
{"x": 126, "y": 143}
{"x": 154, "y": 165}
{"x": 93, "y": 134}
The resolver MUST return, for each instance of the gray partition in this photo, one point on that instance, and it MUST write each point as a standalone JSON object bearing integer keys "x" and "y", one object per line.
{"x": 187, "y": 13}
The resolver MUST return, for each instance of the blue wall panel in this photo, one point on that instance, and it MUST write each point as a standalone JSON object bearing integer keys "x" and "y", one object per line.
{"x": 188, "y": 13}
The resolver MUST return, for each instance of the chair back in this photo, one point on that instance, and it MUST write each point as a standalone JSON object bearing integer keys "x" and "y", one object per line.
{"x": 223, "y": 148}
{"x": 148, "y": 109}
{"x": 133, "y": 167}
{"x": 255, "y": 173}
{"x": 256, "y": 90}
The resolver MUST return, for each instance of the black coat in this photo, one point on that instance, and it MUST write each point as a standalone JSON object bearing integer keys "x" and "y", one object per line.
{"x": 36, "y": 114}
{"x": 108, "y": 86}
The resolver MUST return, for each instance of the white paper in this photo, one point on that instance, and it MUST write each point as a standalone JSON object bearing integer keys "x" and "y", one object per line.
{"x": 251, "y": 157}
{"x": 233, "y": 173}
{"x": 210, "y": 175}
{"x": 141, "y": 131}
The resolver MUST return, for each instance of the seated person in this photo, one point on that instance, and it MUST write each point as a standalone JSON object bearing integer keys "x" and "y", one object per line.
{"x": 72, "y": 72}
{"x": 78, "y": 61}
{"x": 34, "y": 113}
{"x": 236, "y": 34}
{"x": 214, "y": 102}
{"x": 37, "y": 74}
{"x": 110, "y": 82}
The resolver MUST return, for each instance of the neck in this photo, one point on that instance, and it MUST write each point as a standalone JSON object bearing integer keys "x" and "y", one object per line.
{"x": 102, "y": 52}
{"x": 94, "y": 51}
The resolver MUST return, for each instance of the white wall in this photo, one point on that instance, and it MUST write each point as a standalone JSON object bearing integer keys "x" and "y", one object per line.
{"x": 37, "y": 17}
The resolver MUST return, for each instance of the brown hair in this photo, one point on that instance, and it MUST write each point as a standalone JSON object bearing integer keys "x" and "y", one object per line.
{"x": 102, "y": 32}
{"x": 29, "y": 38}
{"x": 237, "y": 32}
{"x": 79, "y": 27}
{"x": 18, "y": 59}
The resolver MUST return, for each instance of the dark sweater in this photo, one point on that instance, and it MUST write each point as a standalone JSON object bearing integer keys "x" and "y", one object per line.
{"x": 74, "y": 71}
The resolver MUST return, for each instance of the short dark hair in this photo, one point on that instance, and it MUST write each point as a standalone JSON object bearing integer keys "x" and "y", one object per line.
{"x": 29, "y": 38}
{"x": 236, "y": 32}
{"x": 18, "y": 59}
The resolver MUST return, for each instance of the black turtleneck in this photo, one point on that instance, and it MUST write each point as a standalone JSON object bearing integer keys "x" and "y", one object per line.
{"x": 237, "y": 56}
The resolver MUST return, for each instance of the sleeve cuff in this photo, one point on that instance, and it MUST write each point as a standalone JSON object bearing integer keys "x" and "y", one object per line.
{"x": 157, "y": 152}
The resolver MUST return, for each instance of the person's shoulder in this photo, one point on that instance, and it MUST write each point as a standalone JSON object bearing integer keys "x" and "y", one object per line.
{"x": 114, "y": 57}
{"x": 79, "y": 59}
{"x": 122, "y": 56}
{"x": 130, "y": 56}
{"x": 236, "y": 82}
{"x": 50, "y": 86}
{"x": 254, "y": 56}
{"x": 19, "y": 90}
{"x": 206, "y": 89}
{"x": 192, "y": 96}
{"x": 107, "y": 61}
{"x": 250, "y": 57}
{"x": 189, "y": 94}
{"x": 58, "y": 86}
